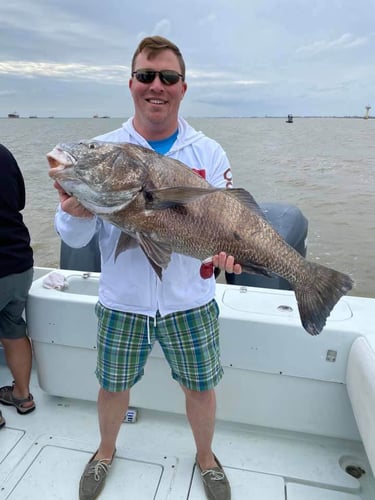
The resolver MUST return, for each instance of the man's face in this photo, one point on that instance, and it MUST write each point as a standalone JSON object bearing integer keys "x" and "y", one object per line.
{"x": 157, "y": 104}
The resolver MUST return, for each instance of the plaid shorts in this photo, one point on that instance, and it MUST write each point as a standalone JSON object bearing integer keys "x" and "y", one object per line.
{"x": 189, "y": 339}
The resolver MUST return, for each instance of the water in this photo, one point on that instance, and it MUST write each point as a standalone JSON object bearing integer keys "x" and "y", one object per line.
{"x": 325, "y": 166}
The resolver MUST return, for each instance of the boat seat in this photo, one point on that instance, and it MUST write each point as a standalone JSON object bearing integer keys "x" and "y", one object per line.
{"x": 360, "y": 379}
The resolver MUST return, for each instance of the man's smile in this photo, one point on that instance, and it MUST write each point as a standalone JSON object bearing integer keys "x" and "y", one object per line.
{"x": 156, "y": 101}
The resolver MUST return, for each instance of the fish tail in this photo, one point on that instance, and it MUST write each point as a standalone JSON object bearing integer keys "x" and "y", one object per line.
{"x": 316, "y": 301}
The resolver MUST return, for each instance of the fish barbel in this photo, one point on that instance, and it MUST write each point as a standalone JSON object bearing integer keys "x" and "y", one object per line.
{"x": 163, "y": 206}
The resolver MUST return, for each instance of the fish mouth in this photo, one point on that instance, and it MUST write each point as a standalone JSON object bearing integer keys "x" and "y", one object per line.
{"x": 59, "y": 160}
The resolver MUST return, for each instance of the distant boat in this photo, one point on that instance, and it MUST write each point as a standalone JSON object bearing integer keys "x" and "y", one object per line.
{"x": 33, "y": 116}
{"x": 290, "y": 119}
{"x": 13, "y": 115}
{"x": 96, "y": 116}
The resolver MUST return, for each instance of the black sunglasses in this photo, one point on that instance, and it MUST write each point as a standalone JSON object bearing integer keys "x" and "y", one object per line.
{"x": 167, "y": 76}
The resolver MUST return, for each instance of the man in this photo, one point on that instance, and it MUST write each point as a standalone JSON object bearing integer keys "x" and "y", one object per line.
{"x": 140, "y": 308}
{"x": 16, "y": 275}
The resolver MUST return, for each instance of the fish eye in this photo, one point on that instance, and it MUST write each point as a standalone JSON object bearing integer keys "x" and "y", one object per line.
{"x": 92, "y": 145}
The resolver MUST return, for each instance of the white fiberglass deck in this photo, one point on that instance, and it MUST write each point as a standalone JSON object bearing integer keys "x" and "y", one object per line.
{"x": 43, "y": 454}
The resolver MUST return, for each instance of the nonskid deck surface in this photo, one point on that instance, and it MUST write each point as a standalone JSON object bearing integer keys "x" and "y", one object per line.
{"x": 42, "y": 455}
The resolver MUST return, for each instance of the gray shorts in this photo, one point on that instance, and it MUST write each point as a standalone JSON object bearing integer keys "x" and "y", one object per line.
{"x": 14, "y": 290}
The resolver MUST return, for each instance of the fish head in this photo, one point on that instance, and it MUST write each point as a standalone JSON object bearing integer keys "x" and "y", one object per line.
{"x": 103, "y": 176}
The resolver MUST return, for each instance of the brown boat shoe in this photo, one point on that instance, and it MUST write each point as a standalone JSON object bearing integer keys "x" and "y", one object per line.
{"x": 215, "y": 482}
{"x": 93, "y": 477}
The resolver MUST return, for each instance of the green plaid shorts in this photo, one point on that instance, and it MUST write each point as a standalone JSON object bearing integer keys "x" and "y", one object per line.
{"x": 189, "y": 339}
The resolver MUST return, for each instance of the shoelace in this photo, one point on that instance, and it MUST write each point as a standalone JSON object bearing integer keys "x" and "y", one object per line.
{"x": 215, "y": 474}
{"x": 99, "y": 467}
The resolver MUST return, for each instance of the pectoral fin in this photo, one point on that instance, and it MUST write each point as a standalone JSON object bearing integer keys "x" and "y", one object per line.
{"x": 125, "y": 242}
{"x": 158, "y": 254}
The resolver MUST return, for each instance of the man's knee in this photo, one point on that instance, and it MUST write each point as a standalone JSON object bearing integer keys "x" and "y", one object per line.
{"x": 199, "y": 395}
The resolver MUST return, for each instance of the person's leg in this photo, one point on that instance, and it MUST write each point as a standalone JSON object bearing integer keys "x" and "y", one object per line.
{"x": 111, "y": 412}
{"x": 18, "y": 355}
{"x": 190, "y": 341}
{"x": 201, "y": 411}
{"x": 123, "y": 348}
{"x": 122, "y": 353}
{"x": 16, "y": 343}
{"x": 2, "y": 420}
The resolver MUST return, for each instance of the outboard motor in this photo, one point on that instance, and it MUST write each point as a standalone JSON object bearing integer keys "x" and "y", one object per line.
{"x": 291, "y": 224}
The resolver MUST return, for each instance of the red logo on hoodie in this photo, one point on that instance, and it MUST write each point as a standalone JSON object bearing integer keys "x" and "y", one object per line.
{"x": 200, "y": 172}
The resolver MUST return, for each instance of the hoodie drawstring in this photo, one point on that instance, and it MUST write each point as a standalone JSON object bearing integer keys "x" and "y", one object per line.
{"x": 148, "y": 329}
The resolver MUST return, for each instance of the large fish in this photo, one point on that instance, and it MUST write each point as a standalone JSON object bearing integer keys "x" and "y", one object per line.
{"x": 163, "y": 206}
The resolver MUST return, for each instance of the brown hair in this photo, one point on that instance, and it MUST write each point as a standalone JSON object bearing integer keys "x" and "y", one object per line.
{"x": 155, "y": 44}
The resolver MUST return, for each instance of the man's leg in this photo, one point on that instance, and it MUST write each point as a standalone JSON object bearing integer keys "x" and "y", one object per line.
{"x": 201, "y": 412}
{"x": 111, "y": 411}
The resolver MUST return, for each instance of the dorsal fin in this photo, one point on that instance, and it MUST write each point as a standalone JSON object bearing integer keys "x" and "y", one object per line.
{"x": 246, "y": 199}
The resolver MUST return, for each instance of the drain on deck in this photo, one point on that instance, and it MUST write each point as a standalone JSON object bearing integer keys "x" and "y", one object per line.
{"x": 355, "y": 471}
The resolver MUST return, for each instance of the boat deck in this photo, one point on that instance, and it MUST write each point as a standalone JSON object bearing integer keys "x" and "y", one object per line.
{"x": 42, "y": 455}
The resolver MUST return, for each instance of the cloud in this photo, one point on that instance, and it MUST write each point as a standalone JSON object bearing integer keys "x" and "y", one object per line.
{"x": 205, "y": 78}
{"x": 344, "y": 42}
{"x": 114, "y": 74}
{"x": 161, "y": 28}
{"x": 5, "y": 93}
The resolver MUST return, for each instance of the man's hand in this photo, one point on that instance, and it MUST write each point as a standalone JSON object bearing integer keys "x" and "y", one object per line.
{"x": 226, "y": 263}
{"x": 222, "y": 262}
{"x": 70, "y": 204}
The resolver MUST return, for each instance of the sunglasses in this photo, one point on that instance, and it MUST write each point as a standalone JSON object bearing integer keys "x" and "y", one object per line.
{"x": 167, "y": 76}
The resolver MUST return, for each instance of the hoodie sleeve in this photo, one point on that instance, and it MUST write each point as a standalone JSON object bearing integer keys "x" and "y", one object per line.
{"x": 76, "y": 232}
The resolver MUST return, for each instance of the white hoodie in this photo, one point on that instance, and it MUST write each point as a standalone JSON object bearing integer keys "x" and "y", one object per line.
{"x": 129, "y": 283}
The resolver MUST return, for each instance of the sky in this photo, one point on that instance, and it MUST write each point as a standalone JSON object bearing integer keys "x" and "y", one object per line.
{"x": 69, "y": 58}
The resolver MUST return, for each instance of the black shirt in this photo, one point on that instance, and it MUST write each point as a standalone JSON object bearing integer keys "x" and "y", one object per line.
{"x": 16, "y": 254}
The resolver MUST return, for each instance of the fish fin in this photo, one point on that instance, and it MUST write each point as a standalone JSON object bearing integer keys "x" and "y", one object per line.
{"x": 316, "y": 301}
{"x": 160, "y": 199}
{"x": 158, "y": 270}
{"x": 246, "y": 199}
{"x": 125, "y": 242}
{"x": 158, "y": 254}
